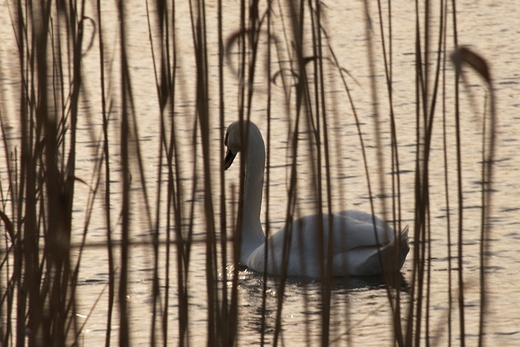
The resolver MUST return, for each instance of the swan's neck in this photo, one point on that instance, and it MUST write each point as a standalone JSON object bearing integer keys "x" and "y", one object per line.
{"x": 252, "y": 234}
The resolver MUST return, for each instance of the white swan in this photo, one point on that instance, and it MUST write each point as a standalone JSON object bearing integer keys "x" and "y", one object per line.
{"x": 355, "y": 246}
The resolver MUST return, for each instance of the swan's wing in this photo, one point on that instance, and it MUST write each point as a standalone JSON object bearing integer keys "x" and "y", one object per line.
{"x": 367, "y": 261}
{"x": 361, "y": 216}
{"x": 350, "y": 231}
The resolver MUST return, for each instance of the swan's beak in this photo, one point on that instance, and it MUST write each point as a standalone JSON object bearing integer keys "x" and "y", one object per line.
{"x": 228, "y": 160}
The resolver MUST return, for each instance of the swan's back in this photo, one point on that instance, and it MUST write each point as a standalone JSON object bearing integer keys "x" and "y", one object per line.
{"x": 354, "y": 246}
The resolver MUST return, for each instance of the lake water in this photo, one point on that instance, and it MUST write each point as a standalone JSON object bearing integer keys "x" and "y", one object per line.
{"x": 360, "y": 314}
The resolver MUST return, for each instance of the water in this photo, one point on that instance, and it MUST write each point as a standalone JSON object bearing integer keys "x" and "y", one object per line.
{"x": 361, "y": 314}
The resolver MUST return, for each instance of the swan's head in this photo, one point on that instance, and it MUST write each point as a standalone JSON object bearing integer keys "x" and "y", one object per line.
{"x": 233, "y": 143}
{"x": 234, "y": 140}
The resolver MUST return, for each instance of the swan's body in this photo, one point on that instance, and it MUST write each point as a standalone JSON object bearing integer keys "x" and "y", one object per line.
{"x": 358, "y": 237}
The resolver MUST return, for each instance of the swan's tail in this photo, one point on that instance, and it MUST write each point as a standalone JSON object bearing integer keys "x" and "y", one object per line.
{"x": 393, "y": 254}
{"x": 402, "y": 244}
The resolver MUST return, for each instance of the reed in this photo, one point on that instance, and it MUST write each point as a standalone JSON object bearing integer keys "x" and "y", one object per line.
{"x": 76, "y": 148}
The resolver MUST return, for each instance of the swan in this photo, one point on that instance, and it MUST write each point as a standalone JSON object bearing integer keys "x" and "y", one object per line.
{"x": 355, "y": 246}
